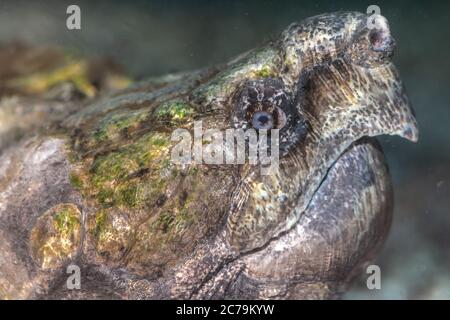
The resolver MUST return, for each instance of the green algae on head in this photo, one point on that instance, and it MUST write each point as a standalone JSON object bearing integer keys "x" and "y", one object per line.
{"x": 56, "y": 236}
{"x": 174, "y": 110}
{"x": 75, "y": 181}
{"x": 111, "y": 234}
{"x": 265, "y": 72}
{"x": 112, "y": 126}
{"x": 259, "y": 63}
{"x": 129, "y": 176}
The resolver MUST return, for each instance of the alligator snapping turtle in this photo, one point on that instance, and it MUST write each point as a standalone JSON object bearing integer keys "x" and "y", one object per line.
{"x": 98, "y": 189}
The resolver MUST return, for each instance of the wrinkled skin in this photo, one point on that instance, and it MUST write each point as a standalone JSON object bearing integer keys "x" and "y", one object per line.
{"x": 98, "y": 189}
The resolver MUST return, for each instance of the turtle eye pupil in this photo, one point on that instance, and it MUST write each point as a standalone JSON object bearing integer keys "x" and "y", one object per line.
{"x": 262, "y": 120}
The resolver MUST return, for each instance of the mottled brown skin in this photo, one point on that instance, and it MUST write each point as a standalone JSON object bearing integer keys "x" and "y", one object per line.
{"x": 98, "y": 189}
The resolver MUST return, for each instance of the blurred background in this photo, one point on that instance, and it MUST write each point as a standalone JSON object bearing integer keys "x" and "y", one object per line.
{"x": 155, "y": 37}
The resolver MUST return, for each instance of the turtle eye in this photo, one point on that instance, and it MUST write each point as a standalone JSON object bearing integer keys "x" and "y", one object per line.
{"x": 262, "y": 105}
{"x": 262, "y": 120}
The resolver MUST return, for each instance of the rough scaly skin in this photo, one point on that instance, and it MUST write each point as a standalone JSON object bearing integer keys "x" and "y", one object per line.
{"x": 141, "y": 226}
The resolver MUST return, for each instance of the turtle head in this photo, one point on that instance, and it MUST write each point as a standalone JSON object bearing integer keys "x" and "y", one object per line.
{"x": 341, "y": 66}
{"x": 366, "y": 83}
{"x": 326, "y": 83}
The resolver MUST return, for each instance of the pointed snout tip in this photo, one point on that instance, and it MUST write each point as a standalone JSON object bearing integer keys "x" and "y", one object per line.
{"x": 410, "y": 131}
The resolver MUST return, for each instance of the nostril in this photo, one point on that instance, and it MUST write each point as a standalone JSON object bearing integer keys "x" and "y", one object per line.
{"x": 381, "y": 41}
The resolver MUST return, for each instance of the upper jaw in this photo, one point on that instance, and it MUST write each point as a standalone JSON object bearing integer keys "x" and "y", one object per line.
{"x": 364, "y": 102}
{"x": 398, "y": 114}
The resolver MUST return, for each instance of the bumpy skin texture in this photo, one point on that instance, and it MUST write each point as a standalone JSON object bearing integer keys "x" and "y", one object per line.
{"x": 98, "y": 187}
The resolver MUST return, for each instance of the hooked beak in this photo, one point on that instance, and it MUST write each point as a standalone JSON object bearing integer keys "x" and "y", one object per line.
{"x": 410, "y": 131}
{"x": 405, "y": 116}
{"x": 391, "y": 104}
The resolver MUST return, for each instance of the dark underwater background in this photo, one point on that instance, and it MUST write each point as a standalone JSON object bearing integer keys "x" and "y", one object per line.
{"x": 156, "y": 37}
